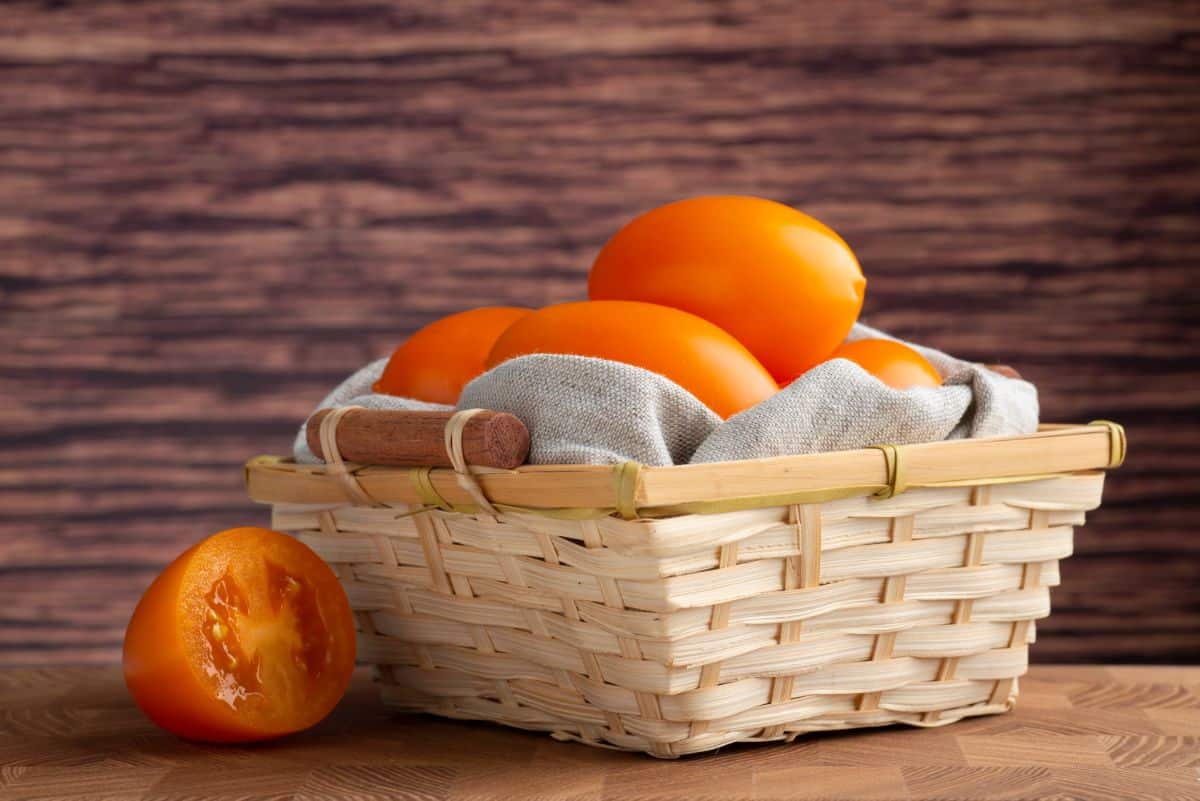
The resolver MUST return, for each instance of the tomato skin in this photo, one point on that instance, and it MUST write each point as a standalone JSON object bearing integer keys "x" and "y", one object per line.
{"x": 437, "y": 361}
{"x": 175, "y": 688}
{"x": 692, "y": 352}
{"x": 782, "y": 283}
{"x": 893, "y": 363}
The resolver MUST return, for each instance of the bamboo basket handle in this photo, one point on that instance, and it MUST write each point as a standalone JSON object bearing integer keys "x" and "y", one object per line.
{"x": 419, "y": 439}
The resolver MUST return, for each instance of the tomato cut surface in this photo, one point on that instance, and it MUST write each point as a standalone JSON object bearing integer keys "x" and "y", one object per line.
{"x": 246, "y": 636}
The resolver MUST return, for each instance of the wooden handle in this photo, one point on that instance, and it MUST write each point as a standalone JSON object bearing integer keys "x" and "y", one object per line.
{"x": 417, "y": 439}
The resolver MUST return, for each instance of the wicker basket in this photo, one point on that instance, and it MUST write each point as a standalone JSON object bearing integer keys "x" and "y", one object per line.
{"x": 675, "y": 610}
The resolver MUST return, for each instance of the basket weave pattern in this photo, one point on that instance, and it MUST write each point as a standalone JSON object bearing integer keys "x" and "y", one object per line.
{"x": 685, "y": 633}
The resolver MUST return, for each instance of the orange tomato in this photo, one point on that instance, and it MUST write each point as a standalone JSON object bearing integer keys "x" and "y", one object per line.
{"x": 893, "y": 363}
{"x": 436, "y": 362}
{"x": 246, "y": 636}
{"x": 782, "y": 283}
{"x": 692, "y": 352}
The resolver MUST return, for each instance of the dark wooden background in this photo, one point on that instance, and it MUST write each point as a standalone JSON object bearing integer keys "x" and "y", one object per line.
{"x": 210, "y": 212}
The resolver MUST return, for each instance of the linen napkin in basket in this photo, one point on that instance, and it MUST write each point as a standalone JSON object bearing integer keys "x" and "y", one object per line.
{"x": 581, "y": 410}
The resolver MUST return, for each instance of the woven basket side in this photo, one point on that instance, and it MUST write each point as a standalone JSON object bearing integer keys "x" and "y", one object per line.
{"x": 764, "y": 625}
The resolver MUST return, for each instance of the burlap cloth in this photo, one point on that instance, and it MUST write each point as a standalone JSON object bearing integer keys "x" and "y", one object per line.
{"x": 581, "y": 410}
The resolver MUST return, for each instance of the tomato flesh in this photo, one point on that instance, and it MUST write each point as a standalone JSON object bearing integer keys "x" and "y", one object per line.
{"x": 234, "y": 678}
{"x": 245, "y": 636}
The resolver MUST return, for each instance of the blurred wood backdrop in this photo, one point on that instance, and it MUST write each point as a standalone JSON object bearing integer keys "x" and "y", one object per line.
{"x": 210, "y": 212}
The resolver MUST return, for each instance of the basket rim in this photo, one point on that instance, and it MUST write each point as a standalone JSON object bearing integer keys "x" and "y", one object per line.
{"x": 636, "y": 490}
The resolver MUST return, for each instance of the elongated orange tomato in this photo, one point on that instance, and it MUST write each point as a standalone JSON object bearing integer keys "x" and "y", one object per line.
{"x": 436, "y": 362}
{"x": 893, "y": 363}
{"x": 692, "y": 352}
{"x": 246, "y": 636}
{"x": 785, "y": 285}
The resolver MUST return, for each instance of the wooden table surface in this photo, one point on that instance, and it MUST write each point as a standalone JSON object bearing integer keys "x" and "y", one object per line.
{"x": 1077, "y": 732}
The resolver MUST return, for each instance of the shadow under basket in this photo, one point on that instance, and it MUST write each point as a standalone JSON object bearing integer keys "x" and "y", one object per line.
{"x": 674, "y": 610}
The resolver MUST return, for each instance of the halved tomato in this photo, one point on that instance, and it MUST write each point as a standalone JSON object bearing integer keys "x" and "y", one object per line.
{"x": 246, "y": 636}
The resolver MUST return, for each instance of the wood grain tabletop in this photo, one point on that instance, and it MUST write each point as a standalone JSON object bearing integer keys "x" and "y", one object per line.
{"x": 210, "y": 213}
{"x": 1078, "y": 732}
